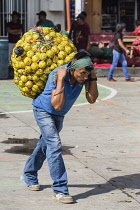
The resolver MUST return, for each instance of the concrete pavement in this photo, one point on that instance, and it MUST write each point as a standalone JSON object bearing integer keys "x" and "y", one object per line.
{"x": 101, "y": 150}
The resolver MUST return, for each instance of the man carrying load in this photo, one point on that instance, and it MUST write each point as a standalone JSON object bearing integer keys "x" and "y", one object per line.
{"x": 61, "y": 91}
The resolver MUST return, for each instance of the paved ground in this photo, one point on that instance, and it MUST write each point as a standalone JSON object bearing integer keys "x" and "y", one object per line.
{"x": 13, "y": 100}
{"x": 101, "y": 150}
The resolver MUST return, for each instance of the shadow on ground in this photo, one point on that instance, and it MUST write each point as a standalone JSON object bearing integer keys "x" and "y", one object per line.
{"x": 26, "y": 146}
{"x": 3, "y": 115}
{"x": 121, "y": 182}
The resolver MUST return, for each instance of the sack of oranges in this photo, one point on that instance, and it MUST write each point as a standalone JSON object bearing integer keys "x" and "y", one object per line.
{"x": 36, "y": 54}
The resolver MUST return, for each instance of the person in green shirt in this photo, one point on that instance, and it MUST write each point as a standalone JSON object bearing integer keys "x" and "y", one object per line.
{"x": 43, "y": 22}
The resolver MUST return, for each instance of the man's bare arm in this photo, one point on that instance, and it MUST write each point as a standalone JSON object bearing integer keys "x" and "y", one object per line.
{"x": 57, "y": 99}
{"x": 91, "y": 89}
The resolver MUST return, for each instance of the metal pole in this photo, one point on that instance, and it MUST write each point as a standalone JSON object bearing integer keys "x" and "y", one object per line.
{"x": 68, "y": 14}
{"x": 25, "y": 16}
{"x": 119, "y": 11}
{"x": 11, "y": 3}
{"x": 21, "y": 10}
{"x": 3, "y": 17}
{"x": 8, "y": 9}
{"x": 136, "y": 14}
{"x": 17, "y": 4}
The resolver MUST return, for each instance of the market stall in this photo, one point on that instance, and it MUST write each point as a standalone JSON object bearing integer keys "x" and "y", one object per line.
{"x": 106, "y": 40}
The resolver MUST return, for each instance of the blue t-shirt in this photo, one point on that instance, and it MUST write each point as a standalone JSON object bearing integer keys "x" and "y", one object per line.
{"x": 71, "y": 93}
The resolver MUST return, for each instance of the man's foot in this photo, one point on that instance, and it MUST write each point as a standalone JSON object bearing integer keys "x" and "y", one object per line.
{"x": 111, "y": 79}
{"x": 35, "y": 187}
{"x": 63, "y": 198}
{"x": 129, "y": 79}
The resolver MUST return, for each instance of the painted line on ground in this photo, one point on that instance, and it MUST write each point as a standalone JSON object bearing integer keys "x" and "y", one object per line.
{"x": 113, "y": 93}
{"x": 74, "y": 155}
{"x": 111, "y": 116}
{"x": 14, "y": 112}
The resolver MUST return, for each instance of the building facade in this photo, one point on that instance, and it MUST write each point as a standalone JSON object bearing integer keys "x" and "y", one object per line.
{"x": 28, "y": 8}
{"x": 104, "y": 14}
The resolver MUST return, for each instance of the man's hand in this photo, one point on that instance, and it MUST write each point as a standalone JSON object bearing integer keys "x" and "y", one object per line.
{"x": 61, "y": 73}
{"x": 91, "y": 88}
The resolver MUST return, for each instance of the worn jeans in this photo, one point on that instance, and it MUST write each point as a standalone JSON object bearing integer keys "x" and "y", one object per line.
{"x": 116, "y": 57}
{"x": 49, "y": 147}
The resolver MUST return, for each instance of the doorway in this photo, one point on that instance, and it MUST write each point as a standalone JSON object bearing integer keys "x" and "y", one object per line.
{"x": 130, "y": 13}
{"x": 127, "y": 13}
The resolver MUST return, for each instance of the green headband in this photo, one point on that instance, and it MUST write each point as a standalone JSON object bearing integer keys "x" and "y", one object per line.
{"x": 81, "y": 63}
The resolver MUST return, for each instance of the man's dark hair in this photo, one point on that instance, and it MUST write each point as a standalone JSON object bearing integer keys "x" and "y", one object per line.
{"x": 81, "y": 17}
{"x": 81, "y": 55}
{"x": 43, "y": 13}
{"x": 16, "y": 13}
{"x": 84, "y": 13}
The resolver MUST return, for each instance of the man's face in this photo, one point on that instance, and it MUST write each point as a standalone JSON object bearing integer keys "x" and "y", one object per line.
{"x": 80, "y": 74}
{"x": 41, "y": 17}
{"x": 14, "y": 18}
{"x": 79, "y": 21}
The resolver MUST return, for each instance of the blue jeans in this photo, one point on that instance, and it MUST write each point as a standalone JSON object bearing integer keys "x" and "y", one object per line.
{"x": 116, "y": 57}
{"x": 49, "y": 146}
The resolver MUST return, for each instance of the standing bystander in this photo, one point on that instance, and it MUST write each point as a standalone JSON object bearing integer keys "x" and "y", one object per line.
{"x": 80, "y": 33}
{"x": 43, "y": 21}
{"x": 74, "y": 25}
{"x": 14, "y": 30}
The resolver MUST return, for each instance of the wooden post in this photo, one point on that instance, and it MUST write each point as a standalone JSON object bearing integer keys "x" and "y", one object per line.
{"x": 97, "y": 15}
{"x": 94, "y": 12}
{"x": 88, "y": 9}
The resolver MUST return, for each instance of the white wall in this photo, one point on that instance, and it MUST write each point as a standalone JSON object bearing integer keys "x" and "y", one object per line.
{"x": 55, "y": 16}
{"x": 34, "y": 6}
